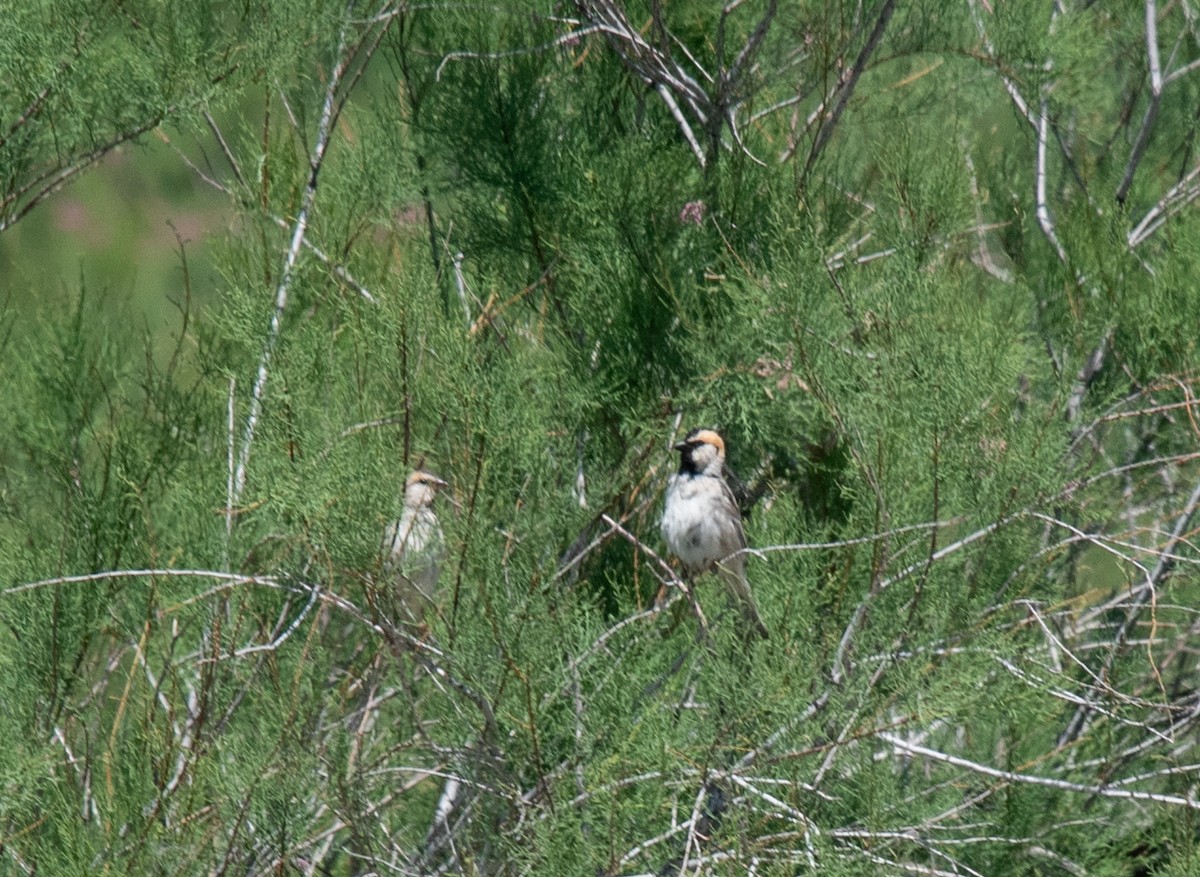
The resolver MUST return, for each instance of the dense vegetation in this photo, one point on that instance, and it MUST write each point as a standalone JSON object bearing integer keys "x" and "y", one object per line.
{"x": 929, "y": 268}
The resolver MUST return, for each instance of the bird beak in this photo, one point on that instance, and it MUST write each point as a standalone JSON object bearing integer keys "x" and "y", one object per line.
{"x": 681, "y": 446}
{"x": 447, "y": 496}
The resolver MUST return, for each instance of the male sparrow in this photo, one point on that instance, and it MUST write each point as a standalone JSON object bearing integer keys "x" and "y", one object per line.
{"x": 701, "y": 523}
{"x": 413, "y": 545}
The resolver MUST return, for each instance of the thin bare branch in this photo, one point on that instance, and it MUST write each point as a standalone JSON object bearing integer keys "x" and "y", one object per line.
{"x": 1101, "y": 790}
{"x": 283, "y": 290}
{"x": 1044, "y": 218}
{"x": 848, "y": 83}
{"x": 1176, "y": 198}
{"x": 1133, "y": 611}
{"x": 42, "y": 187}
{"x": 570, "y": 38}
{"x": 1156, "y": 91}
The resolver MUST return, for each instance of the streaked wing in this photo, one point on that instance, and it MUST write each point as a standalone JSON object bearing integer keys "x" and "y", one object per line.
{"x": 730, "y": 505}
{"x": 733, "y": 571}
{"x": 733, "y": 538}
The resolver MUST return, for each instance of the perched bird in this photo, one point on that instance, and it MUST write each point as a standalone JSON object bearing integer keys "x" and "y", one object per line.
{"x": 413, "y": 546}
{"x": 701, "y": 523}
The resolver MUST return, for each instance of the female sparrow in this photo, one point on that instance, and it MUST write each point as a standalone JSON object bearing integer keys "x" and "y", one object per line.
{"x": 701, "y": 523}
{"x": 413, "y": 545}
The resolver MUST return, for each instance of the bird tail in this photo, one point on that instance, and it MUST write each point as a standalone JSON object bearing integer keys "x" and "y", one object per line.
{"x": 740, "y": 589}
{"x": 752, "y": 618}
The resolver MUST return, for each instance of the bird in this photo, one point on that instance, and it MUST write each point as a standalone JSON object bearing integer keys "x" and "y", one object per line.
{"x": 413, "y": 546}
{"x": 701, "y": 523}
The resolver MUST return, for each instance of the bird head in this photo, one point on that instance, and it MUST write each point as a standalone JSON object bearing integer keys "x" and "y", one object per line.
{"x": 701, "y": 452}
{"x": 420, "y": 487}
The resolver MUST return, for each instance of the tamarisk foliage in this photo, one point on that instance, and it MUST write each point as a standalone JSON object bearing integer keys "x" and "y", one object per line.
{"x": 930, "y": 270}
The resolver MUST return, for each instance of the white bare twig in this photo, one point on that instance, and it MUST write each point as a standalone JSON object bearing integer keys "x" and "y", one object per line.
{"x": 693, "y": 839}
{"x": 337, "y": 268}
{"x": 231, "y": 578}
{"x": 460, "y": 284}
{"x": 1151, "y": 115}
{"x": 569, "y": 38}
{"x": 88, "y": 810}
{"x": 1105, "y": 791}
{"x": 1014, "y": 93}
{"x": 231, "y": 442}
{"x": 669, "y": 576}
{"x": 838, "y": 670}
{"x": 283, "y": 290}
{"x": 1176, "y": 198}
{"x": 1045, "y": 220}
{"x": 1147, "y": 593}
{"x": 276, "y": 641}
{"x": 684, "y": 127}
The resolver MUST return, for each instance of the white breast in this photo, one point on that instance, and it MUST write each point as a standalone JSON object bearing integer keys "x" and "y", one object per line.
{"x": 412, "y": 548}
{"x": 691, "y": 520}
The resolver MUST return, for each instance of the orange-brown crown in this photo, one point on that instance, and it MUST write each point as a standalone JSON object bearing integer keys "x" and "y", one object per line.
{"x": 420, "y": 476}
{"x": 703, "y": 437}
{"x": 701, "y": 452}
